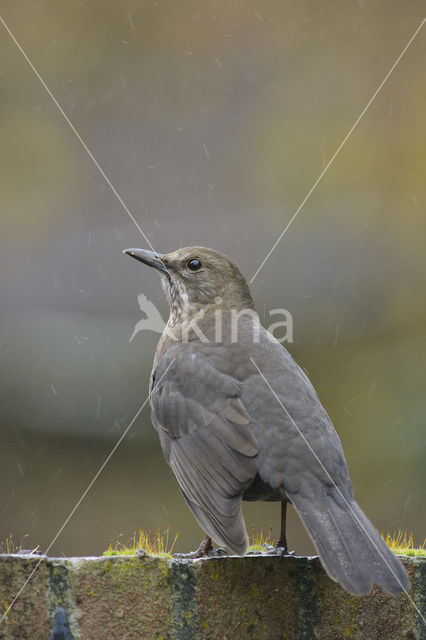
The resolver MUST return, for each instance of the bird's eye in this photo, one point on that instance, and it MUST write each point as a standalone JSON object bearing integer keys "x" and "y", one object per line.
{"x": 194, "y": 264}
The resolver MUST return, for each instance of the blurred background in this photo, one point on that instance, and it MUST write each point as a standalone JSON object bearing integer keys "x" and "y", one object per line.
{"x": 212, "y": 120}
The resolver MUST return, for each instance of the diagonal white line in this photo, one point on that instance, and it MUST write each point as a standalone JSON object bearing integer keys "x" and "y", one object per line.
{"x": 333, "y": 157}
{"x": 79, "y": 138}
{"x": 80, "y": 500}
{"x": 336, "y": 487}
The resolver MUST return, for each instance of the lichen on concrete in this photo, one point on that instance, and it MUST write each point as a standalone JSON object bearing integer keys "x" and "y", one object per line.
{"x": 28, "y": 618}
{"x": 378, "y": 616}
{"x": 123, "y": 593}
{"x": 252, "y": 597}
{"x": 61, "y": 592}
{"x": 255, "y": 597}
{"x": 418, "y": 570}
{"x": 183, "y": 600}
{"x": 308, "y": 611}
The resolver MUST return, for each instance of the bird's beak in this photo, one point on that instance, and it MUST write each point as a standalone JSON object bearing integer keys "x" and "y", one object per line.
{"x": 147, "y": 257}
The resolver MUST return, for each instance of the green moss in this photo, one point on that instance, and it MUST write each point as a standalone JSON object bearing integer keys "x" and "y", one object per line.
{"x": 133, "y": 552}
{"x": 419, "y": 553}
{"x": 157, "y": 545}
{"x": 403, "y": 544}
{"x": 255, "y": 591}
{"x": 348, "y": 632}
{"x": 261, "y": 548}
{"x": 260, "y": 541}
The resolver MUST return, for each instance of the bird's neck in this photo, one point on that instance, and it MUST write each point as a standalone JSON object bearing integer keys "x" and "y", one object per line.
{"x": 213, "y": 323}
{"x": 181, "y": 308}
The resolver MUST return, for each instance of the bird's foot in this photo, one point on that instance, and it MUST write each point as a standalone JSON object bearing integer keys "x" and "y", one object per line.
{"x": 205, "y": 550}
{"x": 282, "y": 551}
{"x": 279, "y": 549}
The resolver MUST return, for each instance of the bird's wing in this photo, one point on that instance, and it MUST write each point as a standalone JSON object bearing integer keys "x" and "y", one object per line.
{"x": 301, "y": 452}
{"x": 207, "y": 439}
{"x": 300, "y": 448}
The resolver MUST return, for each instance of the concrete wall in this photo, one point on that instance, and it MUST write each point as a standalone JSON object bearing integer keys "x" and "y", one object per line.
{"x": 226, "y": 598}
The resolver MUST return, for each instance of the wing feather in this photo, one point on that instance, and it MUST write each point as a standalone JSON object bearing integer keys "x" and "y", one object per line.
{"x": 207, "y": 438}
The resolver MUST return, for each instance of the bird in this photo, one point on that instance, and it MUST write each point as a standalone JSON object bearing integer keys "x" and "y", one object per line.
{"x": 238, "y": 419}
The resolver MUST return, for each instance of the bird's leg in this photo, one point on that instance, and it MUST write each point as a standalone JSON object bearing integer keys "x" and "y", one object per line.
{"x": 281, "y": 545}
{"x": 205, "y": 550}
{"x": 282, "y": 540}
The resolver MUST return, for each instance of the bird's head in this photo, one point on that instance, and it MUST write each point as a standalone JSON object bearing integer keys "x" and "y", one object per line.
{"x": 196, "y": 276}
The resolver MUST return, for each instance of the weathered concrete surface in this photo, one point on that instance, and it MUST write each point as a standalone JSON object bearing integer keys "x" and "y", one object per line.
{"x": 28, "y": 617}
{"x": 377, "y": 616}
{"x": 122, "y": 597}
{"x": 256, "y": 597}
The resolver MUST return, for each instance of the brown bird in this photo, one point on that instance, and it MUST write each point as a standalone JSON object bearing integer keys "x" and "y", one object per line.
{"x": 239, "y": 420}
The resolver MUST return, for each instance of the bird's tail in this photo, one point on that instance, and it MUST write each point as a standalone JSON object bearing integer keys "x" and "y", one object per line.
{"x": 351, "y": 550}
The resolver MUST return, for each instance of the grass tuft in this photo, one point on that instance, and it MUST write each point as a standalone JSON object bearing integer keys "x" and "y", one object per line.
{"x": 155, "y": 544}
{"x": 9, "y": 545}
{"x": 260, "y": 541}
{"x": 399, "y": 542}
{"x": 403, "y": 544}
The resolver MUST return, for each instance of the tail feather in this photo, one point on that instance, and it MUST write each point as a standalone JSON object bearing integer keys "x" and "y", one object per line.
{"x": 350, "y": 548}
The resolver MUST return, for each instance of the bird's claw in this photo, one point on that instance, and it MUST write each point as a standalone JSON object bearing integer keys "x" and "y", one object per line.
{"x": 205, "y": 550}
{"x": 282, "y": 551}
{"x": 278, "y": 550}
